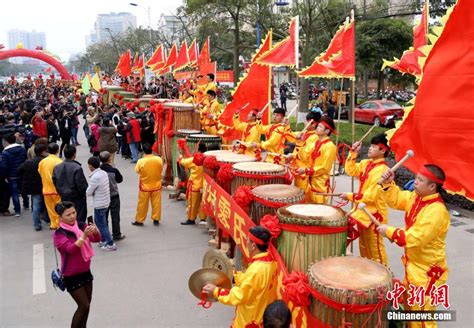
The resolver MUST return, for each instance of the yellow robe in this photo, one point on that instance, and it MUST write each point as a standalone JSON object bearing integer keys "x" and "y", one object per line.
{"x": 251, "y": 132}
{"x": 50, "y": 194}
{"x": 302, "y": 158}
{"x": 371, "y": 244}
{"x": 210, "y": 125}
{"x": 149, "y": 169}
{"x": 423, "y": 239}
{"x": 275, "y": 135}
{"x": 193, "y": 191}
{"x": 253, "y": 291}
{"x": 319, "y": 172}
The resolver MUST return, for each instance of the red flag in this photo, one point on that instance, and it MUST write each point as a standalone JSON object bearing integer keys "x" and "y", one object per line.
{"x": 140, "y": 68}
{"x": 193, "y": 52}
{"x": 124, "y": 66}
{"x": 317, "y": 69}
{"x": 157, "y": 57}
{"x": 205, "y": 55}
{"x": 254, "y": 89}
{"x": 284, "y": 53}
{"x": 342, "y": 65}
{"x": 183, "y": 60}
{"x": 409, "y": 62}
{"x": 436, "y": 134}
{"x": 135, "y": 62}
{"x": 49, "y": 69}
{"x": 207, "y": 68}
{"x": 171, "y": 60}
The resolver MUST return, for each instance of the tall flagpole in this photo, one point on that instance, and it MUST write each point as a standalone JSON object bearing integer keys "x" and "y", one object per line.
{"x": 353, "y": 102}
{"x": 297, "y": 64}
{"x": 337, "y": 138}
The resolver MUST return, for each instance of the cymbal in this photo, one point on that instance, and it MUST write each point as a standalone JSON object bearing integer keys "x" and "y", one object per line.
{"x": 207, "y": 276}
{"x": 218, "y": 260}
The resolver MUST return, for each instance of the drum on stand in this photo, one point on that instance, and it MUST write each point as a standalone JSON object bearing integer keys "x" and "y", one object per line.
{"x": 182, "y": 116}
{"x": 181, "y": 134}
{"x": 350, "y": 280}
{"x": 309, "y": 233}
{"x": 109, "y": 92}
{"x": 269, "y": 198}
{"x": 257, "y": 174}
{"x": 226, "y": 157}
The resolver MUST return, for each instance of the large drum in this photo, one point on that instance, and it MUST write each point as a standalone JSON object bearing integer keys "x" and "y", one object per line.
{"x": 310, "y": 233}
{"x": 257, "y": 174}
{"x": 184, "y": 116}
{"x": 350, "y": 280}
{"x": 211, "y": 142}
{"x": 269, "y": 198}
{"x": 181, "y": 133}
{"x": 109, "y": 92}
{"x": 226, "y": 157}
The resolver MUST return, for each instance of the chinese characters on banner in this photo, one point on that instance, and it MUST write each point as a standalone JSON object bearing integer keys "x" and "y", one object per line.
{"x": 229, "y": 216}
{"x": 221, "y": 76}
{"x": 438, "y": 295}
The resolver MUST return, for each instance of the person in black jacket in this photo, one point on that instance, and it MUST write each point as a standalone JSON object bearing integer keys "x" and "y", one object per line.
{"x": 70, "y": 182}
{"x": 65, "y": 129}
{"x": 53, "y": 133}
{"x": 32, "y": 185}
{"x": 13, "y": 156}
{"x": 115, "y": 177}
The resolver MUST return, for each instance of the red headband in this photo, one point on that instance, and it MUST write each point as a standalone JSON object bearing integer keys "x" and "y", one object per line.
{"x": 327, "y": 126}
{"x": 381, "y": 145}
{"x": 427, "y": 173}
{"x": 256, "y": 240}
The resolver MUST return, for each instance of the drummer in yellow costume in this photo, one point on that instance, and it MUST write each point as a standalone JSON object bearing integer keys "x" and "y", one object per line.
{"x": 424, "y": 236}
{"x": 251, "y": 131}
{"x": 275, "y": 134}
{"x": 149, "y": 169}
{"x": 323, "y": 156}
{"x": 369, "y": 171}
{"x": 50, "y": 194}
{"x": 195, "y": 183}
{"x": 187, "y": 97}
{"x": 301, "y": 156}
{"x": 210, "y": 114}
{"x": 200, "y": 93}
{"x": 255, "y": 288}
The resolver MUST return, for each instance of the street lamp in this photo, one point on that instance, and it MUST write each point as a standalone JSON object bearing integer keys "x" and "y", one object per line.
{"x": 278, "y": 3}
{"x": 148, "y": 10}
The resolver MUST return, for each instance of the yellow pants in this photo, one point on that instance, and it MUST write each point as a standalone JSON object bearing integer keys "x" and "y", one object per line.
{"x": 313, "y": 198}
{"x": 144, "y": 197}
{"x": 50, "y": 202}
{"x": 371, "y": 245}
{"x": 194, "y": 206}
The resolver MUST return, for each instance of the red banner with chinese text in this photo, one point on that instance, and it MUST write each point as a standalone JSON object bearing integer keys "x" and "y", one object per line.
{"x": 233, "y": 220}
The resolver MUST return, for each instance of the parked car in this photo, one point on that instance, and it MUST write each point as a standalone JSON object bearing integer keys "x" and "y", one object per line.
{"x": 379, "y": 112}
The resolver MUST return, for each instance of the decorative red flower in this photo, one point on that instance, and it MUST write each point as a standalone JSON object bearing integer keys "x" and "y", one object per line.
{"x": 210, "y": 162}
{"x": 297, "y": 288}
{"x": 272, "y": 223}
{"x": 243, "y": 196}
{"x": 198, "y": 159}
{"x": 225, "y": 173}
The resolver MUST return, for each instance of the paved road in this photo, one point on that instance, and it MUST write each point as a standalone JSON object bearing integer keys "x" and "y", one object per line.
{"x": 144, "y": 283}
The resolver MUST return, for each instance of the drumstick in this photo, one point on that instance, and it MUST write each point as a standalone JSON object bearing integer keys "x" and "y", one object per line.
{"x": 362, "y": 207}
{"x": 292, "y": 111}
{"x": 241, "y": 109}
{"x": 306, "y": 127}
{"x": 326, "y": 194}
{"x": 410, "y": 153}
{"x": 367, "y": 133}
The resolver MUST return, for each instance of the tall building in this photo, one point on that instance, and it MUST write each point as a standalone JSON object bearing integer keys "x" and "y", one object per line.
{"x": 172, "y": 28}
{"x": 112, "y": 24}
{"x": 29, "y": 39}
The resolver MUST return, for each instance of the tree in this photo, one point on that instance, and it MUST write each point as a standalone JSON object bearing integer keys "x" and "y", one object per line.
{"x": 375, "y": 41}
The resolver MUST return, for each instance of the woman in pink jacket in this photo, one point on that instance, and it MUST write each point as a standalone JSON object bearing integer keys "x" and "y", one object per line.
{"x": 73, "y": 242}
{"x": 95, "y": 150}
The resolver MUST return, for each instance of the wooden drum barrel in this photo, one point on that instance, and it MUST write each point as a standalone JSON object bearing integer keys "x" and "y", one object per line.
{"x": 226, "y": 157}
{"x": 309, "y": 233}
{"x": 181, "y": 134}
{"x": 257, "y": 174}
{"x": 350, "y": 280}
{"x": 269, "y": 198}
{"x": 110, "y": 91}
{"x": 184, "y": 116}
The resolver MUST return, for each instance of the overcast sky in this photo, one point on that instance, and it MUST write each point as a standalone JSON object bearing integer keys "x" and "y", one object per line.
{"x": 66, "y": 23}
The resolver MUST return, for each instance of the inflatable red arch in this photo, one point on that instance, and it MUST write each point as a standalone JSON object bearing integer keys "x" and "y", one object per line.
{"x": 37, "y": 54}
